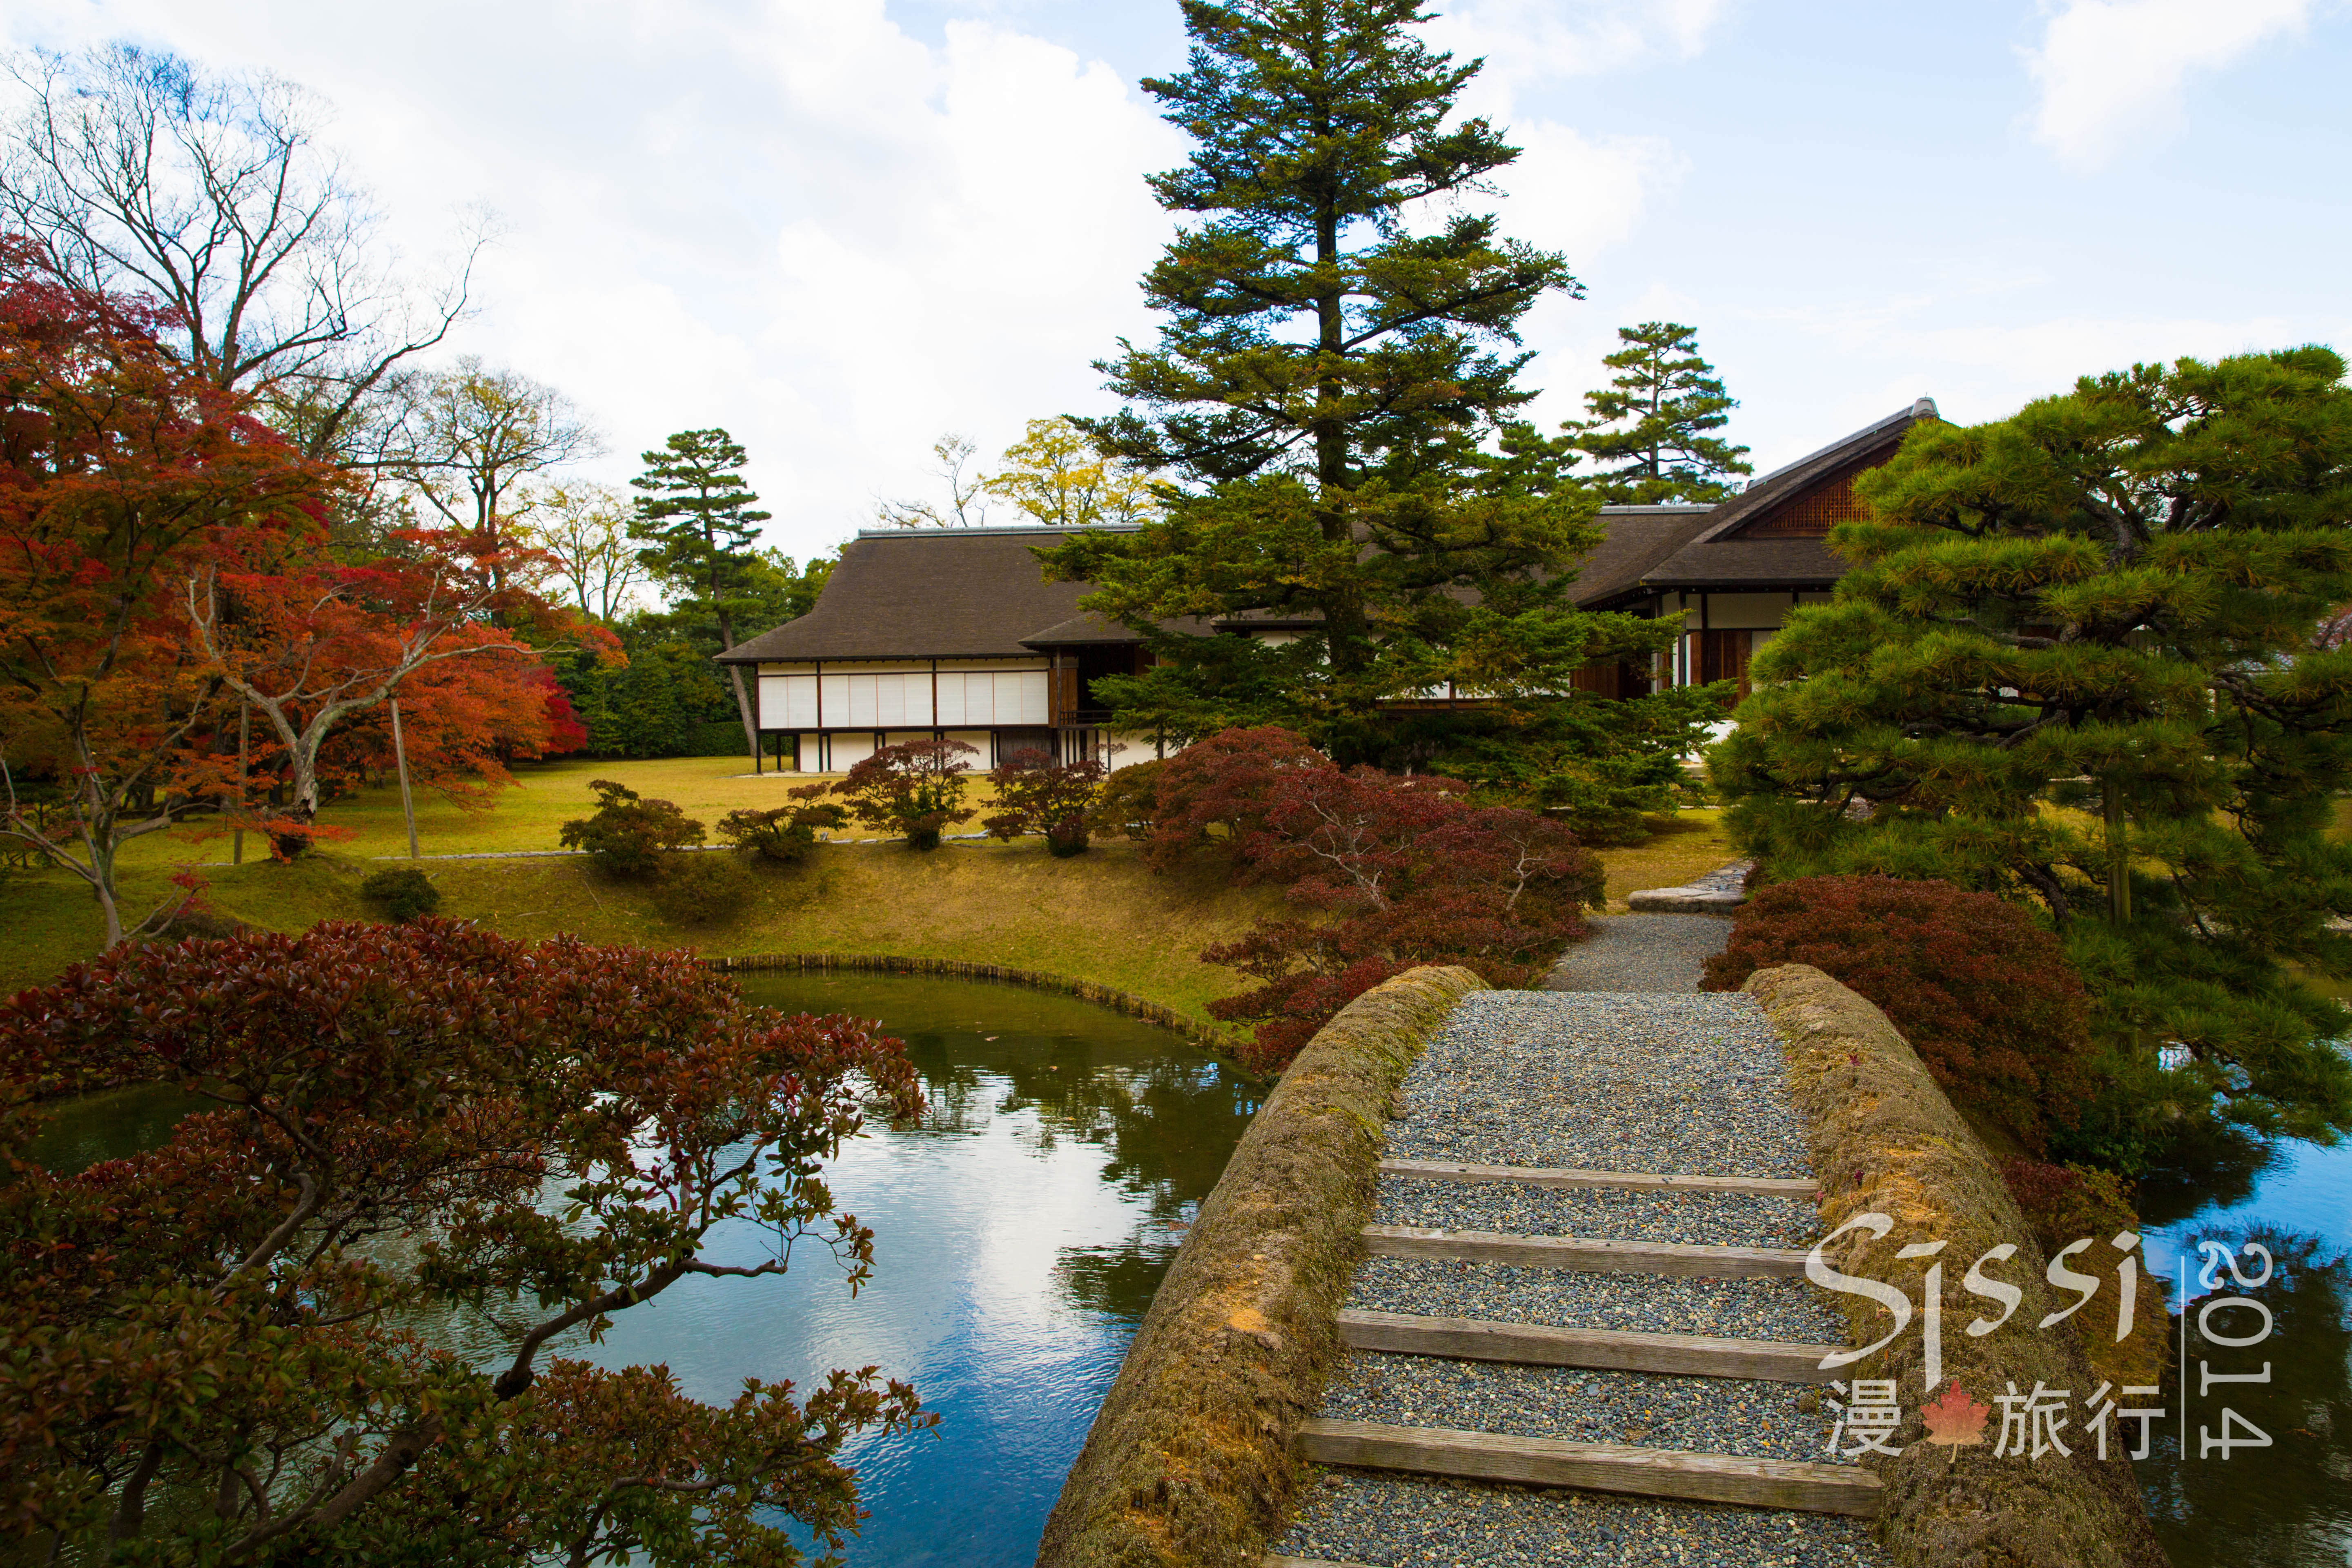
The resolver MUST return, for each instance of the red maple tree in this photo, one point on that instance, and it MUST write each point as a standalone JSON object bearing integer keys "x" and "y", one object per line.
{"x": 322, "y": 1323}
{"x": 122, "y": 473}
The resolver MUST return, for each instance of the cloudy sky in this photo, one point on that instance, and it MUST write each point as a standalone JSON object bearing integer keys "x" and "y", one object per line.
{"x": 840, "y": 227}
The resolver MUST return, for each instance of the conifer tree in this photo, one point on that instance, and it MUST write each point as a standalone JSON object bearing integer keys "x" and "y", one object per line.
{"x": 1334, "y": 395}
{"x": 1653, "y": 420}
{"x": 696, "y": 515}
{"x": 2079, "y": 660}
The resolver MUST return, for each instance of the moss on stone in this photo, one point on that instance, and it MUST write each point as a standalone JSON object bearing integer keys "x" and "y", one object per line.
{"x": 1189, "y": 1461}
{"x": 1886, "y": 1139}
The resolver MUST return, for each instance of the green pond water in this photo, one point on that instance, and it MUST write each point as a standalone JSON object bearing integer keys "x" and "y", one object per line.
{"x": 1020, "y": 1228}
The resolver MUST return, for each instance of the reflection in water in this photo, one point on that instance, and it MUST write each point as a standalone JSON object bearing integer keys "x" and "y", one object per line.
{"x": 1021, "y": 1229}
{"x": 1020, "y": 1226}
{"x": 2289, "y": 1503}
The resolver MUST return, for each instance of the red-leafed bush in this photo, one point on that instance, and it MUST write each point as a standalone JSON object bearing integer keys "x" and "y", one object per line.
{"x": 1034, "y": 794}
{"x": 915, "y": 788}
{"x": 1984, "y": 995}
{"x": 395, "y": 1127}
{"x": 1215, "y": 790}
{"x": 1396, "y": 871}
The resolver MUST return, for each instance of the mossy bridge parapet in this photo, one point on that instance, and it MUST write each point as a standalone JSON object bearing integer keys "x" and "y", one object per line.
{"x": 1232, "y": 1377}
{"x": 1127, "y": 1002}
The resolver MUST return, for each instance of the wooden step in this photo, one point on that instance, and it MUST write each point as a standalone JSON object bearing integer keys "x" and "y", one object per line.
{"x": 1596, "y": 1467}
{"x": 1534, "y": 1345}
{"x": 1590, "y": 1255}
{"x": 1565, "y": 1176}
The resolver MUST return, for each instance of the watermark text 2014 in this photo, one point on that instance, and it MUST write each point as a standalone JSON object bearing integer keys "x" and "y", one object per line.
{"x": 2036, "y": 1422}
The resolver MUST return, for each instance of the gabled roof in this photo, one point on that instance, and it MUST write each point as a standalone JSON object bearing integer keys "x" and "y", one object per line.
{"x": 1638, "y": 538}
{"x": 959, "y": 593}
{"x": 979, "y": 593}
{"x": 1086, "y": 627}
{"x": 1721, "y": 552}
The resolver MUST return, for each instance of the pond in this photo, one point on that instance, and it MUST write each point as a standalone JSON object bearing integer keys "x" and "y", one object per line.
{"x": 2288, "y": 1502}
{"x": 1021, "y": 1229}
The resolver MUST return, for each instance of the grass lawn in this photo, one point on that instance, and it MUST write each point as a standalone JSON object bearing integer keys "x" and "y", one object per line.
{"x": 527, "y": 817}
{"x": 1100, "y": 916}
{"x": 1693, "y": 846}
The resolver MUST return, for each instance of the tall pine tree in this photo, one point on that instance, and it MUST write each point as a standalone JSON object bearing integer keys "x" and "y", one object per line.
{"x": 1335, "y": 391}
{"x": 696, "y": 514}
{"x": 1651, "y": 421}
{"x": 2078, "y": 661}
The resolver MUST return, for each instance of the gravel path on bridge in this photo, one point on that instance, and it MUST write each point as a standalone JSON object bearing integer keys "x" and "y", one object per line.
{"x": 1426, "y": 1522}
{"x": 1688, "y": 1085}
{"x": 1649, "y": 1081}
{"x": 1646, "y": 953}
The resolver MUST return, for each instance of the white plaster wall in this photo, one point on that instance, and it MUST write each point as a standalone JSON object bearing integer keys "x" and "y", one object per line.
{"x": 1728, "y": 611}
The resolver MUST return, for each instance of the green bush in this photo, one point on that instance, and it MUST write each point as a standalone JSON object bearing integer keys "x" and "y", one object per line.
{"x": 783, "y": 833}
{"x": 701, "y": 889}
{"x": 717, "y": 738}
{"x": 1983, "y": 993}
{"x": 403, "y": 892}
{"x": 627, "y": 836}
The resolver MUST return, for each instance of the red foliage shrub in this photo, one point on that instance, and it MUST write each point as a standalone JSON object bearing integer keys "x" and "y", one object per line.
{"x": 1984, "y": 995}
{"x": 1216, "y": 789}
{"x": 1400, "y": 871}
{"x": 915, "y": 788}
{"x": 1034, "y": 794}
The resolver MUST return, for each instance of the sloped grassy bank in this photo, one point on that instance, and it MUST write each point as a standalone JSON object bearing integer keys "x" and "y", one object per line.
{"x": 1101, "y": 917}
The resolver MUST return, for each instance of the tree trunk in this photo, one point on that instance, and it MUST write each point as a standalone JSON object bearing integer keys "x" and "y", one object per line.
{"x": 2118, "y": 856}
{"x": 400, "y": 761}
{"x": 735, "y": 677}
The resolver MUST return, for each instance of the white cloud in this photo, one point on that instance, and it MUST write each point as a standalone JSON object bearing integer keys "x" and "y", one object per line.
{"x": 1527, "y": 42}
{"x": 801, "y": 220}
{"x": 793, "y": 218}
{"x": 2111, "y": 71}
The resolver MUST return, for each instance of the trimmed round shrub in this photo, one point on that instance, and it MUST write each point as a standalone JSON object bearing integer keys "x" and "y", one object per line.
{"x": 1983, "y": 993}
{"x": 697, "y": 889}
{"x": 401, "y": 892}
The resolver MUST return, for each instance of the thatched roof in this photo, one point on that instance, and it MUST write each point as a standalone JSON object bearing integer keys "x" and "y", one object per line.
{"x": 962, "y": 592}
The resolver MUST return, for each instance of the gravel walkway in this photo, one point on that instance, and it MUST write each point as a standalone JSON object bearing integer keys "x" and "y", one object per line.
{"x": 1653, "y": 1078}
{"x": 1688, "y": 1086}
{"x": 1710, "y": 1219}
{"x": 1645, "y": 954}
{"x": 1424, "y": 1521}
{"x": 1700, "y": 1415}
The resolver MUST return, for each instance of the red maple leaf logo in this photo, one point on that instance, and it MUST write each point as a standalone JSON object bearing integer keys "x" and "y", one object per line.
{"x": 1954, "y": 1419}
